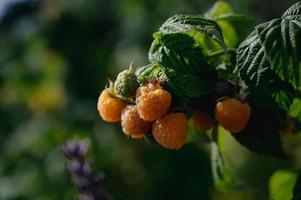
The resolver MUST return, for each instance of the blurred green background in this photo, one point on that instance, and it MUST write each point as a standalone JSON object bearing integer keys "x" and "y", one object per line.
{"x": 55, "y": 58}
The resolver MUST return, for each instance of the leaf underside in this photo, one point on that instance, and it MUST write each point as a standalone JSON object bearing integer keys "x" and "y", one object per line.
{"x": 261, "y": 134}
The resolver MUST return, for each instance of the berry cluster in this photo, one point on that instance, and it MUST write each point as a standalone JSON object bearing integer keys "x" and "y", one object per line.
{"x": 146, "y": 110}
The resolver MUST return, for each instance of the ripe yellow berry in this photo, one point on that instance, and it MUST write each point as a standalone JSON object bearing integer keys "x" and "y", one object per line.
{"x": 142, "y": 90}
{"x": 132, "y": 124}
{"x": 232, "y": 114}
{"x": 152, "y": 102}
{"x": 170, "y": 131}
{"x": 110, "y": 107}
{"x": 203, "y": 121}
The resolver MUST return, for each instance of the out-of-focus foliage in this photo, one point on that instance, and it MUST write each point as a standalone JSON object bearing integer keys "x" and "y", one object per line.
{"x": 281, "y": 185}
{"x": 55, "y": 57}
{"x": 297, "y": 188}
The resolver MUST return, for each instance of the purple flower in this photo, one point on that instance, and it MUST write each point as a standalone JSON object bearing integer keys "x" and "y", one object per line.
{"x": 88, "y": 183}
{"x": 75, "y": 149}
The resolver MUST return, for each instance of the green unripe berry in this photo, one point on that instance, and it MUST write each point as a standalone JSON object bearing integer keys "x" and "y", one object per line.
{"x": 126, "y": 84}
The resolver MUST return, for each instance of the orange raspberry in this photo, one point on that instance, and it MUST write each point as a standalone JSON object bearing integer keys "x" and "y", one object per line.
{"x": 152, "y": 102}
{"x": 202, "y": 121}
{"x": 132, "y": 124}
{"x": 146, "y": 89}
{"x": 142, "y": 90}
{"x": 110, "y": 107}
{"x": 233, "y": 114}
{"x": 170, "y": 131}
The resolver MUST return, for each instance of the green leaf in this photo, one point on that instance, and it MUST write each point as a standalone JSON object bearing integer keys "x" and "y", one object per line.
{"x": 218, "y": 9}
{"x": 254, "y": 70}
{"x": 251, "y": 59}
{"x": 222, "y": 175}
{"x": 229, "y": 32}
{"x": 297, "y": 188}
{"x": 181, "y": 60}
{"x": 281, "y": 185}
{"x": 187, "y": 85}
{"x": 240, "y": 23}
{"x": 281, "y": 39}
{"x": 149, "y": 72}
{"x": 189, "y": 23}
{"x": 179, "y": 52}
{"x": 269, "y": 60}
{"x": 235, "y": 27}
{"x": 261, "y": 133}
{"x": 295, "y": 109}
{"x": 293, "y": 13}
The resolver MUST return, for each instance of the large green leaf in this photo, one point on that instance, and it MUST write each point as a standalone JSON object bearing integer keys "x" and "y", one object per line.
{"x": 223, "y": 176}
{"x": 187, "y": 84}
{"x": 251, "y": 60}
{"x": 218, "y": 9}
{"x": 179, "y": 52}
{"x": 189, "y": 23}
{"x": 235, "y": 27}
{"x": 181, "y": 60}
{"x": 281, "y": 39}
{"x": 254, "y": 70}
{"x": 270, "y": 60}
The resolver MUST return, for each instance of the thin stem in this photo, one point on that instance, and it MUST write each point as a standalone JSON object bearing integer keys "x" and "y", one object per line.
{"x": 222, "y": 52}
